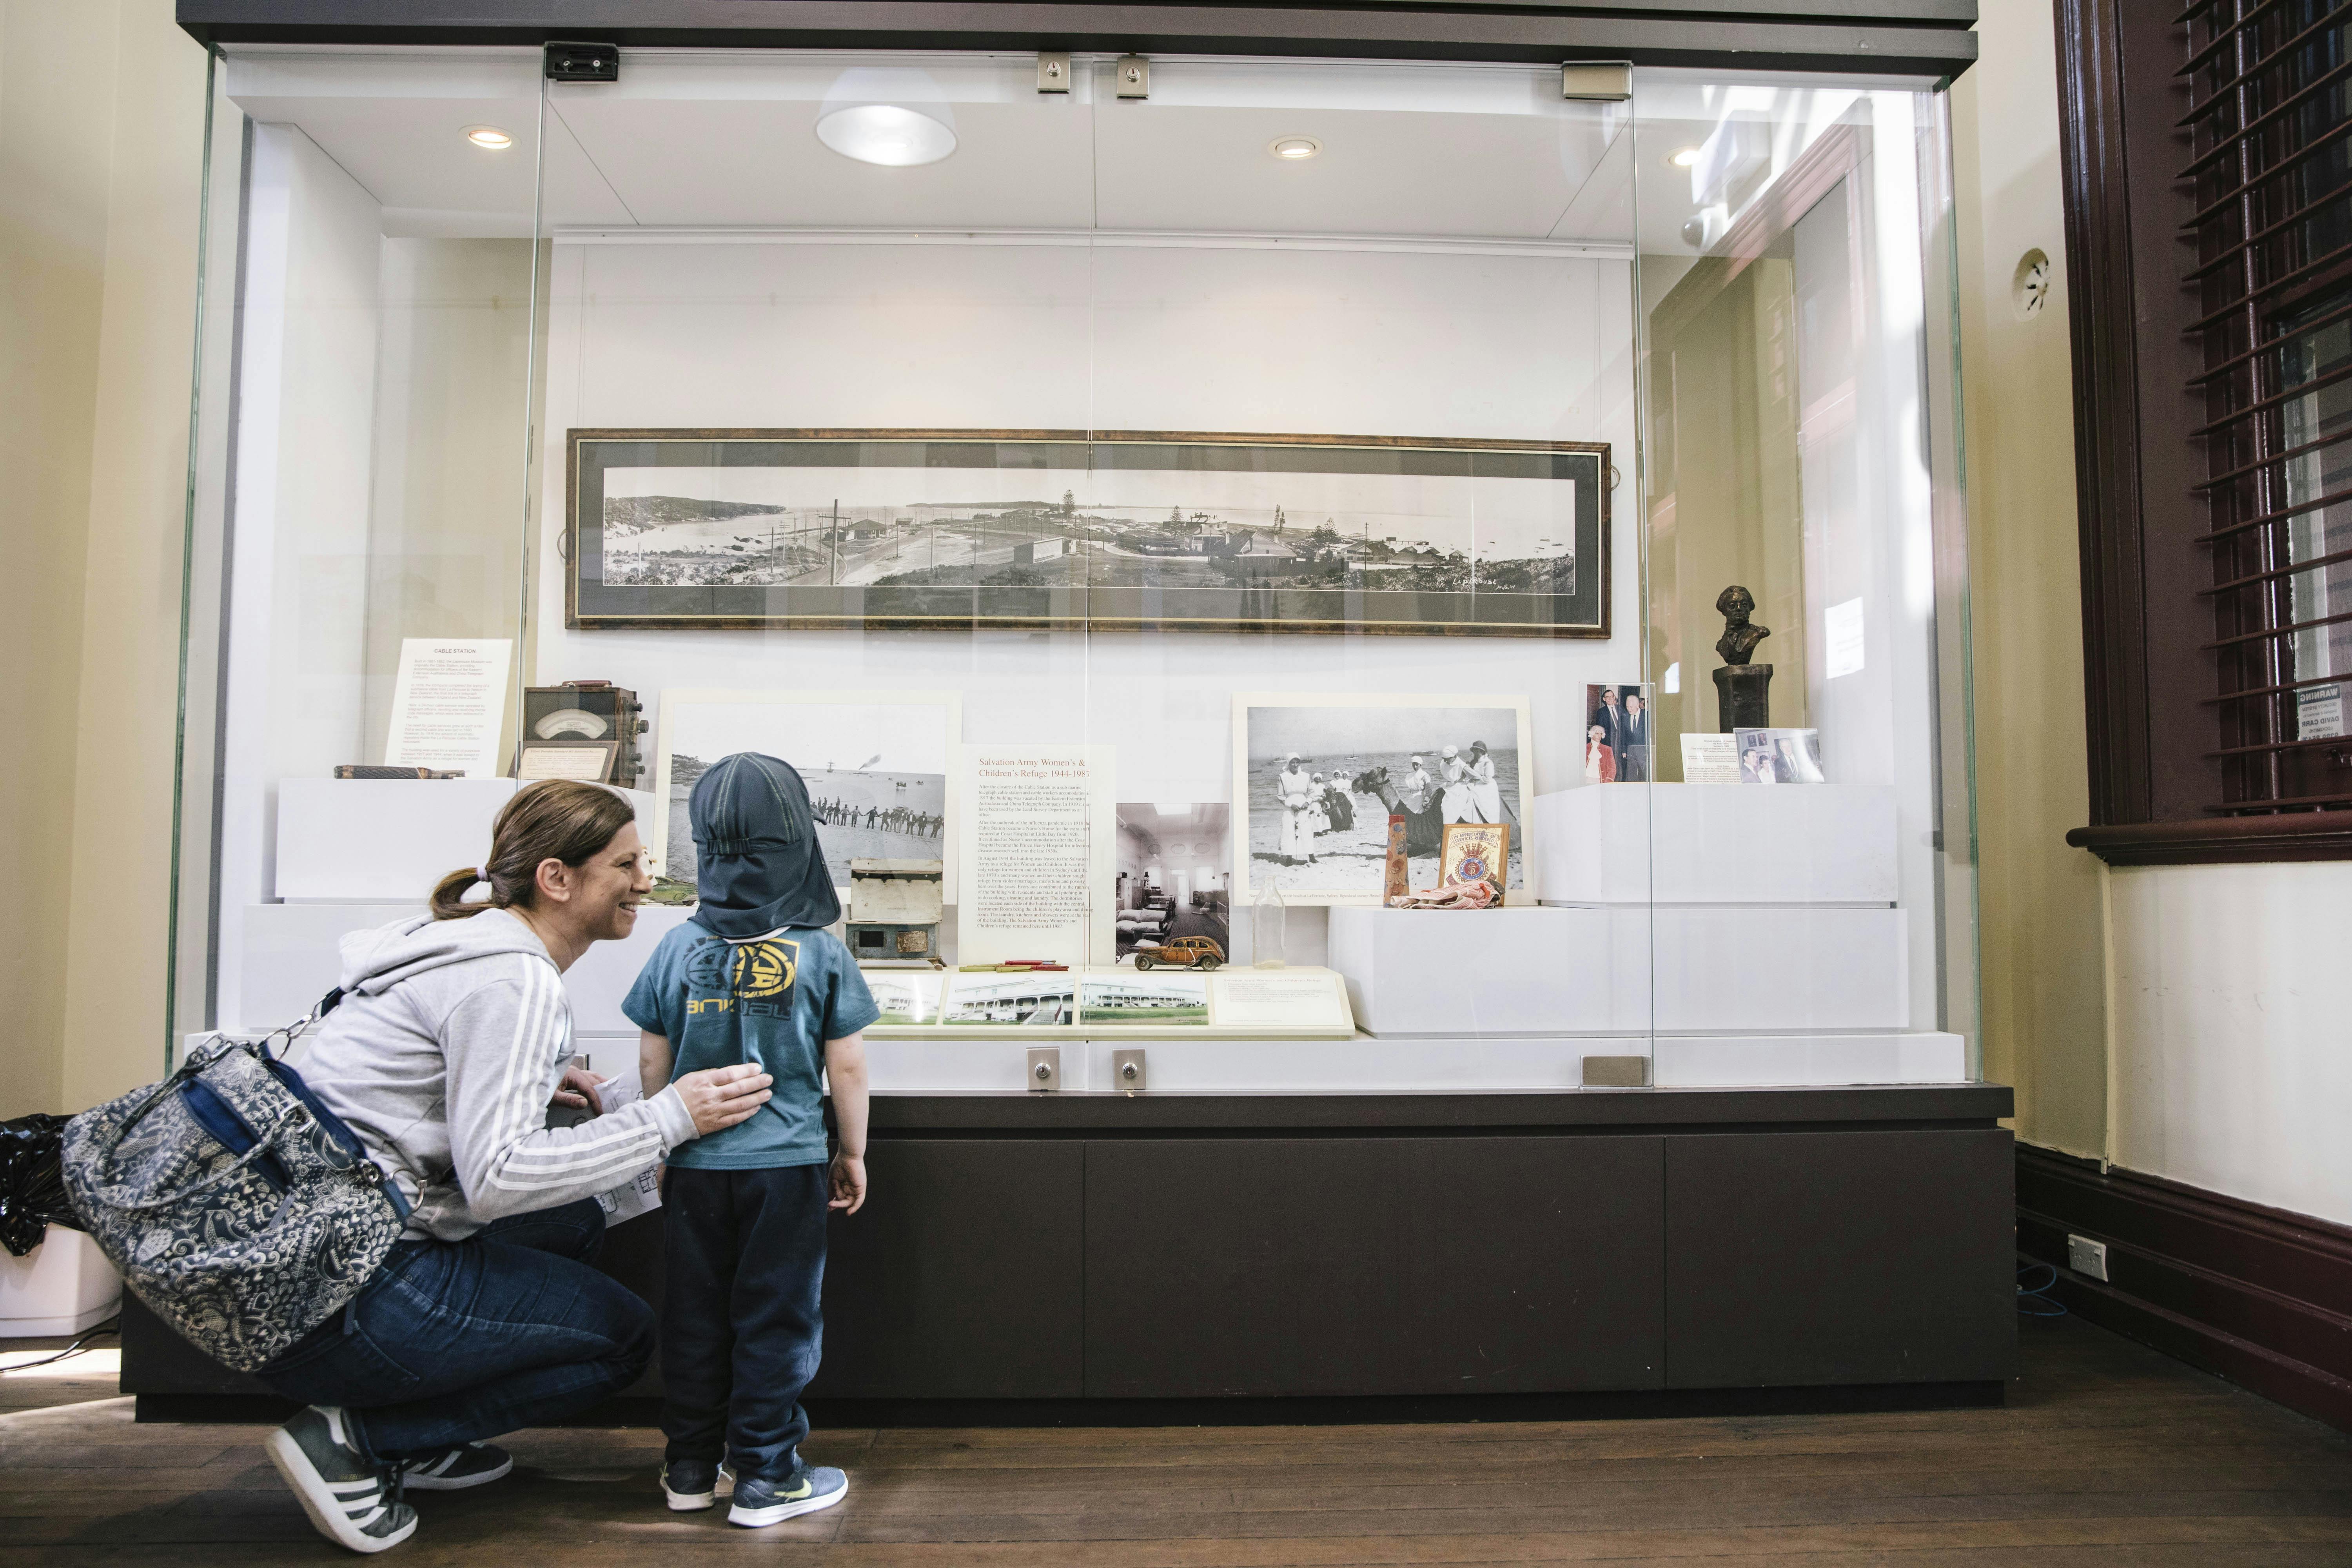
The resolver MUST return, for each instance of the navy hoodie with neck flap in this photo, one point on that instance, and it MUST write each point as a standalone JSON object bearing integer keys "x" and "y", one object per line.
{"x": 759, "y": 865}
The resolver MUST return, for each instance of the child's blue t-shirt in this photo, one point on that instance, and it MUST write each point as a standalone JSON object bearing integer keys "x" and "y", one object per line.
{"x": 774, "y": 999}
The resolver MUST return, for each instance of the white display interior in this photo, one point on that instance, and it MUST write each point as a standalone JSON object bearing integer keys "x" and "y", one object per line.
{"x": 1078, "y": 265}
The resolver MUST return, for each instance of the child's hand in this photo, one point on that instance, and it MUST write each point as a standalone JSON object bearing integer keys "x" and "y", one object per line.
{"x": 848, "y": 1183}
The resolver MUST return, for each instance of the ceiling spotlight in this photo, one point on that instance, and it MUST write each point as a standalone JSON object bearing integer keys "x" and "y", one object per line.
{"x": 886, "y": 134}
{"x": 1295, "y": 147}
{"x": 489, "y": 136}
{"x": 1682, "y": 157}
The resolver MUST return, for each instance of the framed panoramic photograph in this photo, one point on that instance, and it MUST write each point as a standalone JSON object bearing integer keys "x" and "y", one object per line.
{"x": 1317, "y": 777}
{"x": 1116, "y": 530}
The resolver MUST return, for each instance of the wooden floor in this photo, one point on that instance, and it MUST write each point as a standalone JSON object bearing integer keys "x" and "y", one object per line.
{"x": 2106, "y": 1453}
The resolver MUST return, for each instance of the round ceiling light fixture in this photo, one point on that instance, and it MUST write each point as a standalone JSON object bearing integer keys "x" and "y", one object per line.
{"x": 1293, "y": 147}
{"x": 886, "y": 134}
{"x": 1682, "y": 157}
{"x": 488, "y": 136}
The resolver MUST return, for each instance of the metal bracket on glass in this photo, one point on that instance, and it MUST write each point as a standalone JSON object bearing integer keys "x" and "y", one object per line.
{"x": 1044, "y": 1069}
{"x": 1054, "y": 71}
{"x": 582, "y": 62}
{"x": 1127, "y": 1072}
{"x": 1134, "y": 77}
{"x": 1609, "y": 83}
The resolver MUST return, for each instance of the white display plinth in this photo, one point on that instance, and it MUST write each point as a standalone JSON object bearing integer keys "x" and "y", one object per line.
{"x": 1494, "y": 971}
{"x": 1622, "y": 971}
{"x": 1716, "y": 844}
{"x": 292, "y": 959}
{"x": 61, "y": 1287}
{"x": 357, "y": 841}
{"x": 1806, "y": 1061}
{"x": 381, "y": 840}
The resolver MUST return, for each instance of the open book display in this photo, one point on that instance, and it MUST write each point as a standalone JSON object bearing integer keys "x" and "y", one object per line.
{"x": 1254, "y": 1003}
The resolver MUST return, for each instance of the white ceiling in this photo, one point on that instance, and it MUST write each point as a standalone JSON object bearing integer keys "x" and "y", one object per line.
{"x": 723, "y": 140}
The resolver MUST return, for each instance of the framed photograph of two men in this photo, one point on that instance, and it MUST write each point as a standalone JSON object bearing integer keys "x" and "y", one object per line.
{"x": 1110, "y": 530}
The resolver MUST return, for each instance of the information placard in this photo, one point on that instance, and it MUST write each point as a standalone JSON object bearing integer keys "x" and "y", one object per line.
{"x": 448, "y": 704}
{"x": 1037, "y": 841}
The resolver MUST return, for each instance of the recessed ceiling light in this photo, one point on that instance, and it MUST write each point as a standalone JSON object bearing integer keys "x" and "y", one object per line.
{"x": 1682, "y": 157}
{"x": 488, "y": 136}
{"x": 886, "y": 134}
{"x": 1295, "y": 147}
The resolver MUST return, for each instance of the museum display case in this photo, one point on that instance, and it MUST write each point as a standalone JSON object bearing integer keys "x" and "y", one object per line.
{"x": 1123, "y": 489}
{"x": 1380, "y": 645}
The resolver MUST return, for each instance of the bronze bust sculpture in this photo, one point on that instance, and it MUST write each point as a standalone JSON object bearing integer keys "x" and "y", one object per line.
{"x": 1737, "y": 644}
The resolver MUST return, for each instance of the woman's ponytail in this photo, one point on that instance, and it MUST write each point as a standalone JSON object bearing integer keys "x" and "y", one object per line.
{"x": 556, "y": 819}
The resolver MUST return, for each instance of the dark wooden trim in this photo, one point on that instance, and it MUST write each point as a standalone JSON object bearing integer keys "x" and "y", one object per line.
{"x": 1350, "y": 1410}
{"x": 1918, "y": 37}
{"x": 2255, "y": 1294}
{"x": 2287, "y": 835}
{"x": 1649, "y": 1109}
{"x": 2099, "y": 264}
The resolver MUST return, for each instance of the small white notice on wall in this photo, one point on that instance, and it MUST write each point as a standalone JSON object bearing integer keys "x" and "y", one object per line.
{"x": 1842, "y": 638}
{"x": 1038, "y": 846}
{"x": 448, "y": 705}
{"x": 2319, "y": 712}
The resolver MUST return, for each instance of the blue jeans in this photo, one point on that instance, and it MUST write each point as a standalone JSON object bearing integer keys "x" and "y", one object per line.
{"x": 742, "y": 1329}
{"x": 455, "y": 1342}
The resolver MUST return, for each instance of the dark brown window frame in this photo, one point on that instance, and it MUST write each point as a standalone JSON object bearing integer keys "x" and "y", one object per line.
{"x": 2149, "y": 680}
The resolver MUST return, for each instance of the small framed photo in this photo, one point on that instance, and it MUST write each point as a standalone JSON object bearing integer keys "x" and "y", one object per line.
{"x": 1475, "y": 852}
{"x": 1617, "y": 733}
{"x": 1780, "y": 756}
{"x": 590, "y": 760}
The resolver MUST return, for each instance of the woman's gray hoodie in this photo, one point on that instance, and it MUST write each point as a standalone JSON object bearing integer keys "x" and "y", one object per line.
{"x": 448, "y": 1044}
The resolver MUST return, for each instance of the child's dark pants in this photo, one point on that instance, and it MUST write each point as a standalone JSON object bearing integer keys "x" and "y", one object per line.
{"x": 741, "y": 1330}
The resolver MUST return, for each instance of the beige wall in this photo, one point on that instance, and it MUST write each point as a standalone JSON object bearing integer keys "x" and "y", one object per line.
{"x": 102, "y": 114}
{"x": 2040, "y": 922}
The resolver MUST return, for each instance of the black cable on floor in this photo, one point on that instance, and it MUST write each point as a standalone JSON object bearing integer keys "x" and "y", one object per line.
{"x": 112, "y": 1325}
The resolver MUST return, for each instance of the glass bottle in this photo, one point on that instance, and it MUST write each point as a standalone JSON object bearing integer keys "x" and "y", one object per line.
{"x": 1268, "y": 915}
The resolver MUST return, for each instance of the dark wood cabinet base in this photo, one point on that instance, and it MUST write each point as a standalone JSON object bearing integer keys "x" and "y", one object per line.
{"x": 1046, "y": 1258}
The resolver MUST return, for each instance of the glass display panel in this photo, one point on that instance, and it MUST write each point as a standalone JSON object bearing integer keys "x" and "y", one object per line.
{"x": 1804, "y": 609}
{"x": 1228, "y": 560}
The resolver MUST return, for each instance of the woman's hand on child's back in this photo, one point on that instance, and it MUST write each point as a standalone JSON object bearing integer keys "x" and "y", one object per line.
{"x": 719, "y": 1097}
{"x": 847, "y": 1180}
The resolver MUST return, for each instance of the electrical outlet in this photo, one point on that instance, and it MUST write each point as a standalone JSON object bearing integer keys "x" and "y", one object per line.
{"x": 2086, "y": 1256}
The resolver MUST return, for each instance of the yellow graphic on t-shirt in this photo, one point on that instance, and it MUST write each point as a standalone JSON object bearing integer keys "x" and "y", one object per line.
{"x": 764, "y": 968}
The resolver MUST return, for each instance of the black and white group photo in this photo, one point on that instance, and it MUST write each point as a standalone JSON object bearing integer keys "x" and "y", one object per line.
{"x": 1322, "y": 776}
{"x": 876, "y": 770}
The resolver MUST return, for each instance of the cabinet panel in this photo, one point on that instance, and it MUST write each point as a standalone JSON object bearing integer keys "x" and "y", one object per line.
{"x": 1833, "y": 1257}
{"x": 960, "y": 1277}
{"x": 1388, "y": 1266}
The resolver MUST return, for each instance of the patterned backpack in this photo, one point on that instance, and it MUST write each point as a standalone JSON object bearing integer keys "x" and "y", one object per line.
{"x": 238, "y": 1207}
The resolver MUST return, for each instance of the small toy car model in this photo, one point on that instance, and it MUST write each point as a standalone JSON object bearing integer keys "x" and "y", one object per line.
{"x": 1184, "y": 952}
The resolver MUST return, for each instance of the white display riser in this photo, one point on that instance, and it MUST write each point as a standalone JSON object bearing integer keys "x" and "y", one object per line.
{"x": 389, "y": 840}
{"x": 61, "y": 1287}
{"x": 1624, "y": 971}
{"x": 291, "y": 961}
{"x": 1369, "y": 1066}
{"x": 1716, "y": 844}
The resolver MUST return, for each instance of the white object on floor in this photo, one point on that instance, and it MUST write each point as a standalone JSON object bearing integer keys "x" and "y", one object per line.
{"x": 61, "y": 1287}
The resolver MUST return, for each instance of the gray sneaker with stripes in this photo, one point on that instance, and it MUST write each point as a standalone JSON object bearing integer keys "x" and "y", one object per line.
{"x": 352, "y": 1500}
{"x": 454, "y": 1469}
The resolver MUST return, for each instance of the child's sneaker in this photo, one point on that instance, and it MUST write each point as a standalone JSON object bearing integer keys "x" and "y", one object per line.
{"x": 454, "y": 1469}
{"x": 689, "y": 1485}
{"x": 351, "y": 1500}
{"x": 808, "y": 1489}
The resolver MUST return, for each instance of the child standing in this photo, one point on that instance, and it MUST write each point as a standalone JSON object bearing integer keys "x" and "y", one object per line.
{"x": 753, "y": 977}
